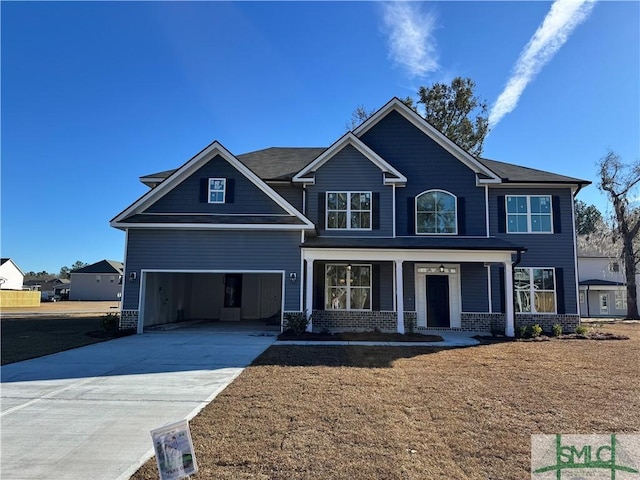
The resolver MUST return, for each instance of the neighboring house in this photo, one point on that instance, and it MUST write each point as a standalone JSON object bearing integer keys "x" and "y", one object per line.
{"x": 603, "y": 290}
{"x": 393, "y": 227}
{"x": 99, "y": 281}
{"x": 11, "y": 277}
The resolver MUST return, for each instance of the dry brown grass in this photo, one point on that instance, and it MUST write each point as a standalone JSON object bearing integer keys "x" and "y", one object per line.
{"x": 413, "y": 412}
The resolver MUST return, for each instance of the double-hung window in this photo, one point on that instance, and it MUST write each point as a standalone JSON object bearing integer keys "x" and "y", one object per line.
{"x": 217, "y": 187}
{"x": 535, "y": 290}
{"x": 529, "y": 214}
{"x": 348, "y": 287}
{"x": 349, "y": 210}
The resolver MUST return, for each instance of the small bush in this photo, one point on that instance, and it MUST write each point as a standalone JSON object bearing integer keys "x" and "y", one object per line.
{"x": 297, "y": 322}
{"x": 536, "y": 330}
{"x": 111, "y": 322}
{"x": 581, "y": 330}
{"x": 557, "y": 330}
{"x": 523, "y": 330}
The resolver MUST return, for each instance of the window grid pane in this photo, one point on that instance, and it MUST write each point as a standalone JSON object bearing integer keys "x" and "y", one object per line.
{"x": 436, "y": 213}
{"x": 348, "y": 290}
{"x": 536, "y": 283}
{"x": 529, "y": 214}
{"x": 348, "y": 210}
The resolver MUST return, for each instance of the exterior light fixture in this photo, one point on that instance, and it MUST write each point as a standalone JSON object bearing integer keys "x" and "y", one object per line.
{"x": 441, "y": 268}
{"x": 293, "y": 276}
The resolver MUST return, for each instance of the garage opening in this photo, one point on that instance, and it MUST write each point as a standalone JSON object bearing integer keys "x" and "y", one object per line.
{"x": 240, "y": 297}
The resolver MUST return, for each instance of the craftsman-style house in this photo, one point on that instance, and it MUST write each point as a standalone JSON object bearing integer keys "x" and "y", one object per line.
{"x": 393, "y": 227}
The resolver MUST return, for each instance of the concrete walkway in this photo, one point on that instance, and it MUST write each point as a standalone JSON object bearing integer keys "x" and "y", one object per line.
{"x": 87, "y": 413}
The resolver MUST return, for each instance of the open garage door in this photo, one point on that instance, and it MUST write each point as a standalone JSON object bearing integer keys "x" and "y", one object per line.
{"x": 171, "y": 297}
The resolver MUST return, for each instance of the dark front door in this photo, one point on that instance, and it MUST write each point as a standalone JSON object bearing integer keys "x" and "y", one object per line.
{"x": 438, "y": 301}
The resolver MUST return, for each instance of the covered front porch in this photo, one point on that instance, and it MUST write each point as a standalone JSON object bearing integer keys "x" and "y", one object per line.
{"x": 415, "y": 285}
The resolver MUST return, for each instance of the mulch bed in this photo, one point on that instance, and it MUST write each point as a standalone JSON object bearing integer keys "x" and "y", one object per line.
{"x": 360, "y": 337}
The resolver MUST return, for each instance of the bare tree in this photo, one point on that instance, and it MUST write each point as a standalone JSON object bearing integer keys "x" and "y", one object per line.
{"x": 618, "y": 180}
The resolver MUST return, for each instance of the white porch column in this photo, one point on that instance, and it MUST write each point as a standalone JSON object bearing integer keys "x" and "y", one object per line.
{"x": 399, "y": 295}
{"x": 309, "y": 293}
{"x": 509, "y": 317}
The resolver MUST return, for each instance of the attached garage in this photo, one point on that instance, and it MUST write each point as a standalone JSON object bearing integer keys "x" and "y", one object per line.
{"x": 216, "y": 296}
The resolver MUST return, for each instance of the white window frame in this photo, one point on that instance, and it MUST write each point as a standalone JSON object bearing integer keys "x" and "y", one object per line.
{"x": 621, "y": 300}
{"x": 528, "y": 214}
{"x": 348, "y": 210}
{"x": 455, "y": 212}
{"x": 614, "y": 267}
{"x": 532, "y": 291}
{"x": 348, "y": 286}
{"x": 212, "y": 190}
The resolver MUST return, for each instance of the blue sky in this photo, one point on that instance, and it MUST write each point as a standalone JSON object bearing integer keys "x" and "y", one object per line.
{"x": 96, "y": 94}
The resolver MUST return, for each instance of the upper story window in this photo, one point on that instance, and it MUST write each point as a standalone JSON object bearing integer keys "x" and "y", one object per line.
{"x": 436, "y": 213}
{"x": 217, "y": 188}
{"x": 614, "y": 267}
{"x": 529, "y": 214}
{"x": 535, "y": 290}
{"x": 349, "y": 210}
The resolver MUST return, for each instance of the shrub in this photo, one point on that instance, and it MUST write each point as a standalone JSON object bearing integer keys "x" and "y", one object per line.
{"x": 557, "y": 330}
{"x": 111, "y": 322}
{"x": 523, "y": 331}
{"x": 536, "y": 330}
{"x": 297, "y": 322}
{"x": 581, "y": 330}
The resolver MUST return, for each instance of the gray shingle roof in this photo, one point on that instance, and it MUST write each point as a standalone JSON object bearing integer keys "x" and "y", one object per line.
{"x": 282, "y": 163}
{"x": 516, "y": 174}
{"x": 214, "y": 219}
{"x": 103, "y": 266}
{"x": 432, "y": 243}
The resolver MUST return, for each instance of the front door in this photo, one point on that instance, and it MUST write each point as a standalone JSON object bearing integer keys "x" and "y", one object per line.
{"x": 437, "y": 287}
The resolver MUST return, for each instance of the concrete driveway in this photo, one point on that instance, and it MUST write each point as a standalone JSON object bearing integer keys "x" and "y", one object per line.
{"x": 87, "y": 413}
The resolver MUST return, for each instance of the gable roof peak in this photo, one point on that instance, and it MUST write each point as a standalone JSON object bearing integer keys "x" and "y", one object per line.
{"x": 397, "y": 105}
{"x": 349, "y": 138}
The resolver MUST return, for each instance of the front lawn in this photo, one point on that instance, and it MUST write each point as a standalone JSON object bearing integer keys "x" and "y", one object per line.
{"x": 25, "y": 338}
{"x": 302, "y": 412}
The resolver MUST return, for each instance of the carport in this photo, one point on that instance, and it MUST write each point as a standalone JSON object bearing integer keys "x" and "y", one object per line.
{"x": 171, "y": 296}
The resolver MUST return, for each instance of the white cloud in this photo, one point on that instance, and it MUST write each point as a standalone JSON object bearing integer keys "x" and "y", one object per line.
{"x": 563, "y": 17}
{"x": 410, "y": 37}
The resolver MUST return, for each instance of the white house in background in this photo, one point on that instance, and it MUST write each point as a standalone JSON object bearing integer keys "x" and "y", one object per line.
{"x": 602, "y": 285}
{"x": 11, "y": 276}
{"x": 99, "y": 281}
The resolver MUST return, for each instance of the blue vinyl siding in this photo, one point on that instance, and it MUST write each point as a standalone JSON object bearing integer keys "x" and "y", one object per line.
{"x": 349, "y": 170}
{"x": 213, "y": 250}
{"x": 543, "y": 249}
{"x": 427, "y": 166}
{"x": 291, "y": 193}
{"x": 473, "y": 279}
{"x": 187, "y": 196}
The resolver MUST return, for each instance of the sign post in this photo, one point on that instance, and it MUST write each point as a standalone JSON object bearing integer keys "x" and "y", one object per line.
{"x": 174, "y": 451}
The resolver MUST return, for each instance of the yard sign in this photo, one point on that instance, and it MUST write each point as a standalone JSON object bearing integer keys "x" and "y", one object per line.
{"x": 174, "y": 451}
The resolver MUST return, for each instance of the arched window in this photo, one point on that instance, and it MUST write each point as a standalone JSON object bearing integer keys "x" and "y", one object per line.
{"x": 436, "y": 213}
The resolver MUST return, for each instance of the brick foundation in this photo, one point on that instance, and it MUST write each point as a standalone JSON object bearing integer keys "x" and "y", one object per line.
{"x": 568, "y": 322}
{"x": 386, "y": 321}
{"x": 128, "y": 319}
